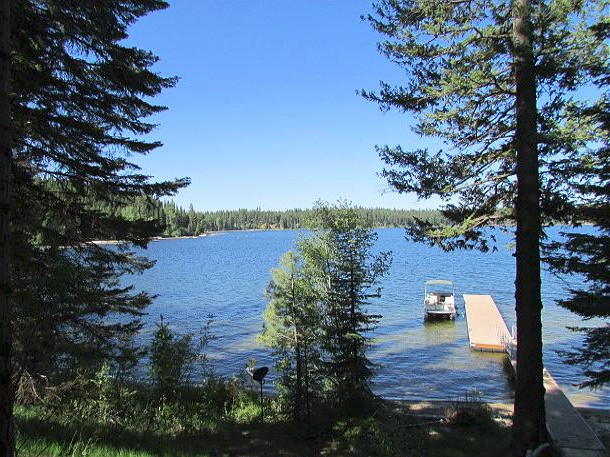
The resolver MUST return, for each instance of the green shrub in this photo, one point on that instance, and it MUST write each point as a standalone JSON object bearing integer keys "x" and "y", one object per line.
{"x": 171, "y": 359}
{"x": 101, "y": 400}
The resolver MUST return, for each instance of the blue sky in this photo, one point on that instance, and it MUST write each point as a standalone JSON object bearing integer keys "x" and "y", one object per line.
{"x": 266, "y": 112}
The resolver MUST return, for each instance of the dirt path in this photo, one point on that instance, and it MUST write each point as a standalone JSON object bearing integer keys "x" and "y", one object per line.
{"x": 598, "y": 419}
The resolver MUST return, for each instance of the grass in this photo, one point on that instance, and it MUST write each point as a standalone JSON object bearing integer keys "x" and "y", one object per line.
{"x": 391, "y": 429}
{"x": 101, "y": 417}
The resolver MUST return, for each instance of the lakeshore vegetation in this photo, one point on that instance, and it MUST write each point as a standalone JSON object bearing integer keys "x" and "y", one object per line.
{"x": 178, "y": 221}
{"x": 500, "y": 82}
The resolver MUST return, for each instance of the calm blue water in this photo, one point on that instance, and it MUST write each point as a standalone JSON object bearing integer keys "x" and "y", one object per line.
{"x": 226, "y": 275}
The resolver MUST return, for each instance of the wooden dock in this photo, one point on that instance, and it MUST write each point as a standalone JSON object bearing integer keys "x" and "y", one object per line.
{"x": 488, "y": 332}
{"x": 566, "y": 427}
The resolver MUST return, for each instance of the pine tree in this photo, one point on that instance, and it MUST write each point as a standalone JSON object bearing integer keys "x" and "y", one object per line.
{"x": 317, "y": 319}
{"x": 80, "y": 99}
{"x": 192, "y": 221}
{"x": 292, "y": 329}
{"x": 499, "y": 83}
{"x": 340, "y": 249}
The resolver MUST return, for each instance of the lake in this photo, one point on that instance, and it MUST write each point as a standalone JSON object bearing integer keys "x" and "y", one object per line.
{"x": 226, "y": 275}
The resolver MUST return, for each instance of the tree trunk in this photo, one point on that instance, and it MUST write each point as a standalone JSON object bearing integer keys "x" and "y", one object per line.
{"x": 298, "y": 355}
{"x": 307, "y": 387}
{"x": 354, "y": 356}
{"x": 298, "y": 394}
{"x": 6, "y": 395}
{"x": 529, "y": 421}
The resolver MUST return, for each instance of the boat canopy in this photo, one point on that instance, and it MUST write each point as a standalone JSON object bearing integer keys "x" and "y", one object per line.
{"x": 439, "y": 282}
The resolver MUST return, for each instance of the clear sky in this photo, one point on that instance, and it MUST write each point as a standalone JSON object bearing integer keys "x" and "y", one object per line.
{"x": 266, "y": 112}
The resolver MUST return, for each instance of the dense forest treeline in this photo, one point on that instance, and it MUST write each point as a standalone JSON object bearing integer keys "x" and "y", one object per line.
{"x": 178, "y": 221}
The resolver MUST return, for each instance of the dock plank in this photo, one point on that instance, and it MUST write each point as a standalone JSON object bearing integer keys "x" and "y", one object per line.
{"x": 568, "y": 430}
{"x": 486, "y": 327}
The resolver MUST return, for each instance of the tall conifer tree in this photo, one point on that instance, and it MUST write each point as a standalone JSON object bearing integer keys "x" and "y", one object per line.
{"x": 292, "y": 329}
{"x": 348, "y": 270}
{"x": 80, "y": 99}
{"x": 498, "y": 82}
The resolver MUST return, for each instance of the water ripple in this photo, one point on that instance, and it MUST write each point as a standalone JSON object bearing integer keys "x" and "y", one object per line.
{"x": 226, "y": 276}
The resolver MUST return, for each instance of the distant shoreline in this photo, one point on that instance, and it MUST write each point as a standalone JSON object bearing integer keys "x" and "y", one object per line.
{"x": 222, "y": 232}
{"x": 207, "y": 234}
{"x": 167, "y": 238}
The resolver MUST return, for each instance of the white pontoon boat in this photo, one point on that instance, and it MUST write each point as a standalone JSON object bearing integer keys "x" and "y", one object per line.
{"x": 439, "y": 299}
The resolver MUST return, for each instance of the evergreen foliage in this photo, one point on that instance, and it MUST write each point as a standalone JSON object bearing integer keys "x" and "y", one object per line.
{"x": 293, "y": 328}
{"x": 180, "y": 222}
{"x": 458, "y": 61}
{"x": 342, "y": 251}
{"x": 503, "y": 85}
{"x": 171, "y": 359}
{"x": 588, "y": 254}
{"x": 317, "y": 318}
{"x": 80, "y": 101}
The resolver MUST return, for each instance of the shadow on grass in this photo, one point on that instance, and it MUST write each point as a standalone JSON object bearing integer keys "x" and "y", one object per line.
{"x": 396, "y": 429}
{"x": 389, "y": 430}
{"x": 227, "y": 439}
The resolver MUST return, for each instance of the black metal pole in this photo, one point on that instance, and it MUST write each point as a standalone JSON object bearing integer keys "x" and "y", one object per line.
{"x": 262, "y": 404}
